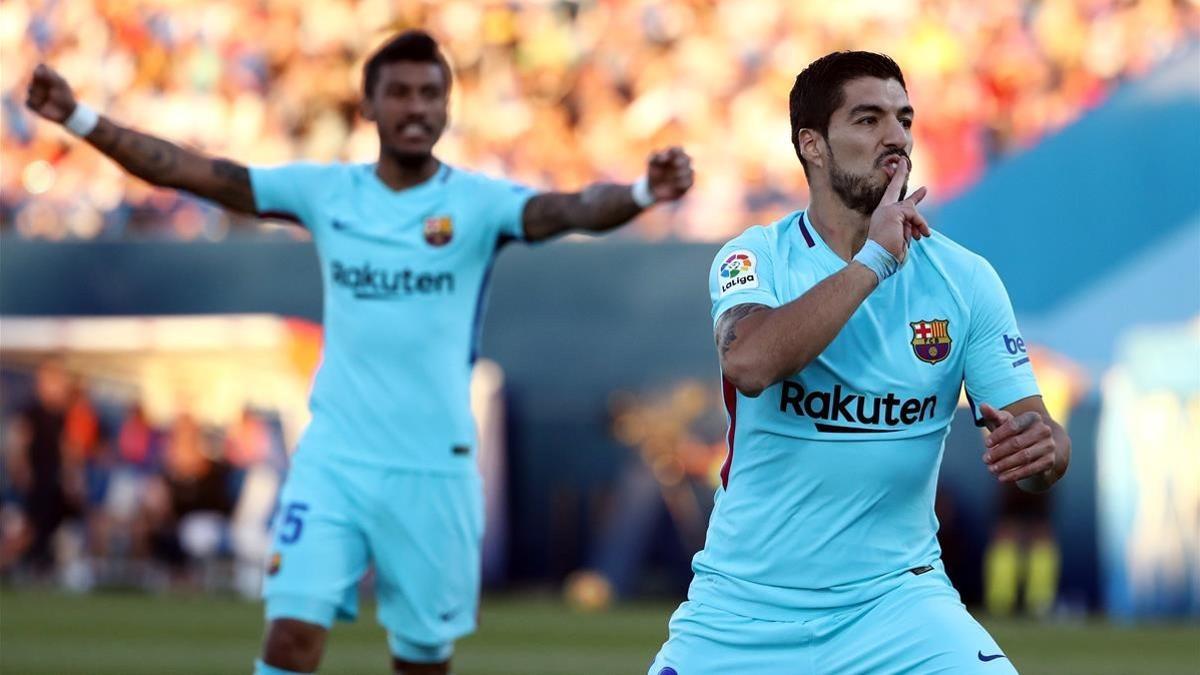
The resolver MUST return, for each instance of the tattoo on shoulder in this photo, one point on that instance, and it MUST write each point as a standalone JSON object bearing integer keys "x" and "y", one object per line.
{"x": 727, "y": 324}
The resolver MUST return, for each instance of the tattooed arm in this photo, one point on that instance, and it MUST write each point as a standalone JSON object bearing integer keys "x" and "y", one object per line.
{"x": 760, "y": 346}
{"x": 604, "y": 206}
{"x": 152, "y": 159}
{"x": 165, "y": 164}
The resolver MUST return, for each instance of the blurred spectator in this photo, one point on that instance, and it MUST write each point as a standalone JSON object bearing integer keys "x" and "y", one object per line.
{"x": 247, "y": 441}
{"x": 194, "y": 500}
{"x": 130, "y": 481}
{"x": 84, "y": 445}
{"x": 48, "y": 481}
{"x": 663, "y": 501}
{"x": 1022, "y": 559}
{"x": 135, "y": 437}
{"x": 193, "y": 487}
{"x": 551, "y": 93}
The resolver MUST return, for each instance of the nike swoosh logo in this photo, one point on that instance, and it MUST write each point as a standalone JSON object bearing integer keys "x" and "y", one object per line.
{"x": 989, "y": 657}
{"x": 340, "y": 225}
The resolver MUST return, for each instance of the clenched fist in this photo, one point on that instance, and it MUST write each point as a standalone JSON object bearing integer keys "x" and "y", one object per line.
{"x": 669, "y": 174}
{"x": 49, "y": 95}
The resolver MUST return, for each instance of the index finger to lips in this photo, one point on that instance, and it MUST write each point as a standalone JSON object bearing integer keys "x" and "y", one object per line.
{"x": 892, "y": 194}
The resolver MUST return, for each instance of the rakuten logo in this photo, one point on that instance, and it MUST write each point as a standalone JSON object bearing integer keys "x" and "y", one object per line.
{"x": 852, "y": 408}
{"x": 372, "y": 283}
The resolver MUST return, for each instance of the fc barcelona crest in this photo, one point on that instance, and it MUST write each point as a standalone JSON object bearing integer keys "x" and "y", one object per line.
{"x": 931, "y": 339}
{"x": 439, "y": 230}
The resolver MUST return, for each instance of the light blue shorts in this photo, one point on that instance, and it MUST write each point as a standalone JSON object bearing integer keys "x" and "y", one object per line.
{"x": 421, "y": 531}
{"x": 920, "y": 627}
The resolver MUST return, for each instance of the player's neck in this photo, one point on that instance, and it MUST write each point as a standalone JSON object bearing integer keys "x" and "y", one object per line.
{"x": 397, "y": 176}
{"x": 843, "y": 229}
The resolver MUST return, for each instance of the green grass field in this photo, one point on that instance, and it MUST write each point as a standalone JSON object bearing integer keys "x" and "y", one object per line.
{"x": 51, "y": 634}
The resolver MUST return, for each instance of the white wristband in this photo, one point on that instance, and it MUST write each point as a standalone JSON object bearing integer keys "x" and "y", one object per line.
{"x": 642, "y": 196}
{"x": 877, "y": 259}
{"x": 83, "y": 120}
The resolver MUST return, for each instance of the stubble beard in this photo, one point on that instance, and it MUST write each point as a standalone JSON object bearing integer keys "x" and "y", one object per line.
{"x": 857, "y": 192}
{"x": 411, "y": 161}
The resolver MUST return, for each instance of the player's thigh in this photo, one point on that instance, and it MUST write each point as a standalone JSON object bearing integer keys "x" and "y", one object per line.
{"x": 921, "y": 627}
{"x": 425, "y": 536}
{"x": 318, "y": 548}
{"x": 704, "y": 640}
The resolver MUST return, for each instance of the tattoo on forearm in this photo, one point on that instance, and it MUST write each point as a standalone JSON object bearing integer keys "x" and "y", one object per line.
{"x": 599, "y": 207}
{"x": 727, "y": 324}
{"x": 149, "y": 158}
{"x": 233, "y": 185}
{"x": 608, "y": 204}
{"x": 162, "y": 163}
{"x": 230, "y": 172}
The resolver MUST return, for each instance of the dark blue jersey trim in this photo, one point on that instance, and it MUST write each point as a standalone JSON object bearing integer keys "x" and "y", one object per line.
{"x": 804, "y": 231}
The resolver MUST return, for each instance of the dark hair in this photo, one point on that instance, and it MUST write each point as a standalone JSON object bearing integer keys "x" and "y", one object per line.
{"x": 411, "y": 45}
{"x": 818, "y": 88}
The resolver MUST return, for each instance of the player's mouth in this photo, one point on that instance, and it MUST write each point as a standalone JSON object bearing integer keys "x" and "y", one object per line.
{"x": 414, "y": 132}
{"x": 891, "y": 164}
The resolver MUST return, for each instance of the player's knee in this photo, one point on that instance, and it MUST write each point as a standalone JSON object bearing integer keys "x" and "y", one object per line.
{"x": 294, "y": 645}
{"x": 402, "y": 667}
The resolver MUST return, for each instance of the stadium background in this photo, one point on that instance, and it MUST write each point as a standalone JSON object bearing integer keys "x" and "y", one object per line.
{"x": 1058, "y": 139}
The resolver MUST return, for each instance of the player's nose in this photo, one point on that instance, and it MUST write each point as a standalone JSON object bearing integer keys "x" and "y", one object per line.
{"x": 894, "y": 134}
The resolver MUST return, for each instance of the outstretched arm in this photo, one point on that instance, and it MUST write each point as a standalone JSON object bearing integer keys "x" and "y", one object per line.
{"x": 604, "y": 206}
{"x": 152, "y": 159}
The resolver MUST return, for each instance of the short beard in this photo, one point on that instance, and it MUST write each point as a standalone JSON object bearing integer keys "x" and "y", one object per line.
{"x": 857, "y": 192}
{"x": 411, "y": 161}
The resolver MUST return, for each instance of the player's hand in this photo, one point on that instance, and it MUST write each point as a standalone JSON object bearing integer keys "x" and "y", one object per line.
{"x": 669, "y": 173}
{"x": 895, "y": 223}
{"x": 49, "y": 95}
{"x": 1019, "y": 447}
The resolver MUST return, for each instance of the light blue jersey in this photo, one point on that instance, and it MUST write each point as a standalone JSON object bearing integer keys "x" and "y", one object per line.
{"x": 405, "y": 273}
{"x": 828, "y": 487}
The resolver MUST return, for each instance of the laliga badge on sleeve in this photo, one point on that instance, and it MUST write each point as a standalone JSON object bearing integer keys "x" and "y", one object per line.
{"x": 738, "y": 270}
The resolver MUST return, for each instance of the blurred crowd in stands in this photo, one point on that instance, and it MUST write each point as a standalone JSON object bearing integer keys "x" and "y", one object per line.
{"x": 94, "y": 494}
{"x": 553, "y": 93}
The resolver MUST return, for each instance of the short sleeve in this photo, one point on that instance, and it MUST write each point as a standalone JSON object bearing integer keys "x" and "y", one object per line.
{"x": 506, "y": 203}
{"x": 997, "y": 362}
{"x": 743, "y": 272}
{"x": 288, "y": 191}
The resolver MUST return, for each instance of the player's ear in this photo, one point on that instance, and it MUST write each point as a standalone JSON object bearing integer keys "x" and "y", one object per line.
{"x": 366, "y": 109}
{"x": 812, "y": 147}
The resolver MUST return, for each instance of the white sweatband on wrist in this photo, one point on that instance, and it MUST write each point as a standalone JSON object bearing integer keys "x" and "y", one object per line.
{"x": 876, "y": 258}
{"x": 83, "y": 120}
{"x": 642, "y": 196}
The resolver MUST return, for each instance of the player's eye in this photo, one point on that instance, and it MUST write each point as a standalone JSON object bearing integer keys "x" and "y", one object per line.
{"x": 866, "y": 120}
{"x": 906, "y": 123}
